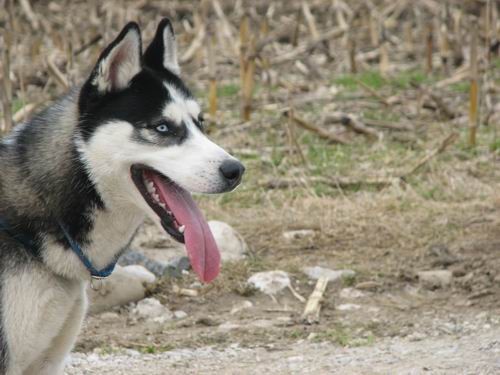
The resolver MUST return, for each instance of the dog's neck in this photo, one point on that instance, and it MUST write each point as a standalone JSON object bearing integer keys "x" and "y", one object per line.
{"x": 111, "y": 232}
{"x": 50, "y": 184}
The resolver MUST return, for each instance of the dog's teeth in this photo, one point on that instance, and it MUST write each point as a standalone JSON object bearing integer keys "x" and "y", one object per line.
{"x": 162, "y": 205}
{"x": 182, "y": 228}
{"x": 151, "y": 187}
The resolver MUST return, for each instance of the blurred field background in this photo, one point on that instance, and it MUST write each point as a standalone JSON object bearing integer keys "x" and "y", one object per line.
{"x": 372, "y": 124}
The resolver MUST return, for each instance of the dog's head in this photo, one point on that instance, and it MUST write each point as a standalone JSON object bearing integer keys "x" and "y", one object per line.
{"x": 141, "y": 134}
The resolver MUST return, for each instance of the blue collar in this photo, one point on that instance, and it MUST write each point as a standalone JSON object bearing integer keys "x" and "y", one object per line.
{"x": 30, "y": 244}
{"x": 94, "y": 272}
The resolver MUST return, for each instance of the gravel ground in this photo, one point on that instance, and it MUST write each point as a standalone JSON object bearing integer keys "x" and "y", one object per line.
{"x": 478, "y": 353}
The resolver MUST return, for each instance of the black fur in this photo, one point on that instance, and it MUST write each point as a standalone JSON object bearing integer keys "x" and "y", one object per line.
{"x": 153, "y": 57}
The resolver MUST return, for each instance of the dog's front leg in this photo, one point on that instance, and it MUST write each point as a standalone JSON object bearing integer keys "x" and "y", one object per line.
{"x": 52, "y": 362}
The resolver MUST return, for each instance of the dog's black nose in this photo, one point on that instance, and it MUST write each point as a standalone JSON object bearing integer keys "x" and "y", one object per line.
{"x": 232, "y": 170}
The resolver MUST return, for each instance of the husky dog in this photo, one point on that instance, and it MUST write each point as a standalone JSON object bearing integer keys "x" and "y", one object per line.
{"x": 79, "y": 178}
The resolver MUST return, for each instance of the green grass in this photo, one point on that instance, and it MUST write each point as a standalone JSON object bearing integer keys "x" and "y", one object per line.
{"x": 348, "y": 281}
{"x": 382, "y": 114}
{"x": 400, "y": 81}
{"x": 461, "y": 87}
{"x": 228, "y": 90}
{"x": 16, "y": 105}
{"x": 369, "y": 78}
{"x": 343, "y": 336}
{"x": 403, "y": 80}
{"x": 495, "y": 145}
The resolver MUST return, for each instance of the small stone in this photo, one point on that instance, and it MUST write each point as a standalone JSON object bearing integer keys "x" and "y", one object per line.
{"x": 241, "y": 306}
{"x": 262, "y": 323}
{"x": 351, "y": 293}
{"x": 416, "y": 336}
{"x": 228, "y": 326}
{"x": 196, "y": 285}
{"x": 298, "y": 234}
{"x": 109, "y": 316}
{"x": 435, "y": 279}
{"x": 348, "y": 307}
{"x": 312, "y": 336}
{"x": 152, "y": 309}
{"x": 318, "y": 272}
{"x": 231, "y": 244}
{"x": 270, "y": 282}
{"x": 179, "y": 314}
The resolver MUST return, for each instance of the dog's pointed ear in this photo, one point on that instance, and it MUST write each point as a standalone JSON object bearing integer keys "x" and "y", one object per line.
{"x": 119, "y": 62}
{"x": 162, "y": 52}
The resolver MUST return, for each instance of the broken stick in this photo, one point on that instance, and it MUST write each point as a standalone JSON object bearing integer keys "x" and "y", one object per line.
{"x": 313, "y": 305}
{"x": 353, "y": 122}
{"x": 323, "y": 133}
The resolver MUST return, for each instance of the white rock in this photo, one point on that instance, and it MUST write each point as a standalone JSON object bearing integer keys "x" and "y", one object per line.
{"x": 317, "y": 272}
{"x": 228, "y": 326}
{"x": 152, "y": 309}
{"x": 241, "y": 306}
{"x": 435, "y": 279}
{"x": 179, "y": 314}
{"x": 270, "y": 282}
{"x": 298, "y": 234}
{"x": 348, "y": 307}
{"x": 141, "y": 272}
{"x": 416, "y": 336}
{"x": 262, "y": 323}
{"x": 231, "y": 244}
{"x": 351, "y": 293}
{"x": 109, "y": 316}
{"x": 121, "y": 288}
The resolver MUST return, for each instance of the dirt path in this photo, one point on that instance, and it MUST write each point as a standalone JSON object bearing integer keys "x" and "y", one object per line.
{"x": 478, "y": 353}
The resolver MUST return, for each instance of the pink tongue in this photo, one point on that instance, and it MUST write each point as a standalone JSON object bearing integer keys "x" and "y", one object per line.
{"x": 200, "y": 244}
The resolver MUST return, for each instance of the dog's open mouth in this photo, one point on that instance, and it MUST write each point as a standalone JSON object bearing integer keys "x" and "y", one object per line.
{"x": 181, "y": 218}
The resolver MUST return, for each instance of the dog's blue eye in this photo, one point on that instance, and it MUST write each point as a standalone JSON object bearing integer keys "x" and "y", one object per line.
{"x": 162, "y": 128}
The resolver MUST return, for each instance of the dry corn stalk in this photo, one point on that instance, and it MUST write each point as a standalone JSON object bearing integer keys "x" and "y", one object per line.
{"x": 352, "y": 54}
{"x": 374, "y": 31}
{"x": 247, "y": 67}
{"x": 429, "y": 47}
{"x": 212, "y": 73}
{"x": 311, "y": 23}
{"x": 473, "y": 94}
{"x": 384, "y": 59}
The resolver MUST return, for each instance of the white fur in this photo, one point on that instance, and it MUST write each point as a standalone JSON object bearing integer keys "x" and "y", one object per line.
{"x": 170, "y": 52}
{"x": 42, "y": 316}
